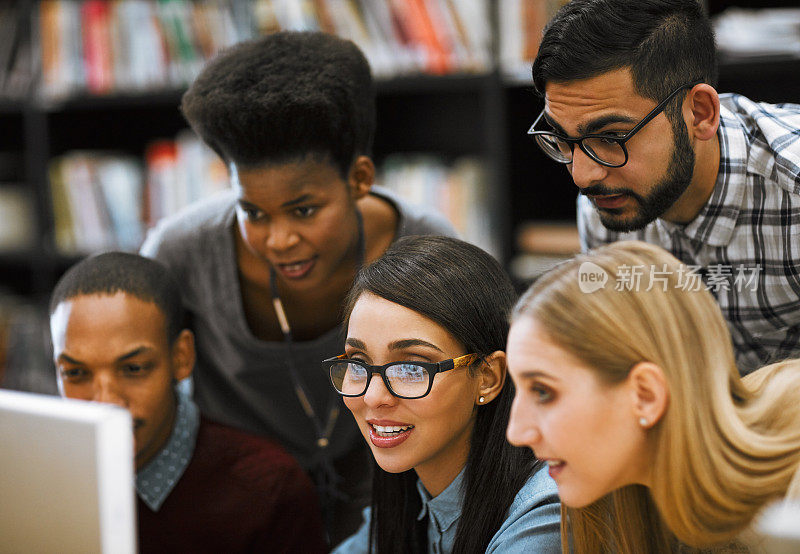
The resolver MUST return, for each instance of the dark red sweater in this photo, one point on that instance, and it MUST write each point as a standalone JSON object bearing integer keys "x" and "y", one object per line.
{"x": 240, "y": 493}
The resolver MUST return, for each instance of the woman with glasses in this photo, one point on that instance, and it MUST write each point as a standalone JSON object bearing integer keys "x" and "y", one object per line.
{"x": 628, "y": 389}
{"x": 424, "y": 375}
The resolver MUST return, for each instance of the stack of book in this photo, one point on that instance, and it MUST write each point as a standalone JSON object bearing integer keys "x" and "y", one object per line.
{"x": 101, "y": 47}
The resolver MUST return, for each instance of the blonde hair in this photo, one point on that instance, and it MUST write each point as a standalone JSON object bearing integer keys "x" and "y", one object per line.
{"x": 724, "y": 448}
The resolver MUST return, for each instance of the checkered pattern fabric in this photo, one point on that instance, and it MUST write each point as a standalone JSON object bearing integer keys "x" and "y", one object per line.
{"x": 745, "y": 242}
{"x": 156, "y": 480}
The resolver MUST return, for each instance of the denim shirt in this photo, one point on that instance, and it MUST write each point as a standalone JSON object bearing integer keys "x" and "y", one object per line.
{"x": 532, "y": 523}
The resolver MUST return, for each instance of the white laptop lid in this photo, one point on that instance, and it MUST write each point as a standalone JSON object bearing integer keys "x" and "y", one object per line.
{"x": 66, "y": 476}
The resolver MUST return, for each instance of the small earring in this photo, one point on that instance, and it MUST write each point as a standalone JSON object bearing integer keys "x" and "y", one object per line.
{"x": 643, "y": 421}
{"x": 481, "y": 399}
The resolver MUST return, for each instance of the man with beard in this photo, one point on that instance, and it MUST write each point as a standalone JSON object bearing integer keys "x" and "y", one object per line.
{"x": 658, "y": 155}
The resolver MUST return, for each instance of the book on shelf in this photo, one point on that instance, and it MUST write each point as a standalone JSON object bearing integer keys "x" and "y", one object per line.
{"x": 121, "y": 193}
{"x": 92, "y": 201}
{"x": 179, "y": 172}
{"x": 17, "y": 218}
{"x": 458, "y": 190}
{"x": 105, "y": 200}
{"x": 97, "y": 47}
{"x": 100, "y": 46}
{"x": 549, "y": 238}
{"x": 175, "y": 18}
{"x": 747, "y": 34}
{"x": 521, "y": 24}
{"x": 61, "y": 47}
{"x": 541, "y": 245}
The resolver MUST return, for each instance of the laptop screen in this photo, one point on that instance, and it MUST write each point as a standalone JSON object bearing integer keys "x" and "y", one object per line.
{"x": 66, "y": 476}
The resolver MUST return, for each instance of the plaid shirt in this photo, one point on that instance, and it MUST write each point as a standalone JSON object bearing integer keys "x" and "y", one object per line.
{"x": 745, "y": 242}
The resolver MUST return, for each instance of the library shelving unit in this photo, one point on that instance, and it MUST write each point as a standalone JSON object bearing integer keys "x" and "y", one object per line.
{"x": 483, "y": 115}
{"x": 451, "y": 116}
{"x": 448, "y": 116}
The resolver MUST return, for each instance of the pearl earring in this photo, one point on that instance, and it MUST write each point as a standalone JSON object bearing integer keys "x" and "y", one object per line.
{"x": 643, "y": 421}
{"x": 481, "y": 399}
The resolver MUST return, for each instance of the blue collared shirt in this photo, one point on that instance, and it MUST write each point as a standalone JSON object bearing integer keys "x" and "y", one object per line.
{"x": 531, "y": 525}
{"x": 156, "y": 480}
{"x": 443, "y": 511}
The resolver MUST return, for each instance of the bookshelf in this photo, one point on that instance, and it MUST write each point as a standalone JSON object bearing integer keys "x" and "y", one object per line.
{"x": 440, "y": 96}
{"x": 474, "y": 110}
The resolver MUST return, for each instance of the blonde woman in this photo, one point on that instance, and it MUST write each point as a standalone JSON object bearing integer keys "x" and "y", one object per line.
{"x": 631, "y": 395}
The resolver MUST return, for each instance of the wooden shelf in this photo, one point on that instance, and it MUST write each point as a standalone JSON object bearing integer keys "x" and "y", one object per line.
{"x": 155, "y": 98}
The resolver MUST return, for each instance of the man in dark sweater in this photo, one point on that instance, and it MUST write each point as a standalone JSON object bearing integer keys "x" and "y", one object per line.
{"x": 116, "y": 323}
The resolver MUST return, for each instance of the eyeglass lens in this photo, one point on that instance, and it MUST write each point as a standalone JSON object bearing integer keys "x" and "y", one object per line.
{"x": 404, "y": 379}
{"x": 602, "y": 149}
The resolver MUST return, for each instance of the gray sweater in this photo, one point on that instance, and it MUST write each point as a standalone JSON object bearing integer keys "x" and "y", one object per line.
{"x": 239, "y": 379}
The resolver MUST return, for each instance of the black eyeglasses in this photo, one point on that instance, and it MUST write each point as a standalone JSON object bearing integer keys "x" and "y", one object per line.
{"x": 408, "y": 380}
{"x": 606, "y": 149}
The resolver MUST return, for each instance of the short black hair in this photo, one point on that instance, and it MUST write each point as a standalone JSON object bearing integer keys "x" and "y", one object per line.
{"x": 113, "y": 272}
{"x": 665, "y": 43}
{"x": 284, "y": 97}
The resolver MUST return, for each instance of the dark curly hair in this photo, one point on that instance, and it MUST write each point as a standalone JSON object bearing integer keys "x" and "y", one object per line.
{"x": 283, "y": 97}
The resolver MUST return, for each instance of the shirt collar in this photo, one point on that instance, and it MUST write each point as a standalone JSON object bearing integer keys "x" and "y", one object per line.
{"x": 156, "y": 480}
{"x": 444, "y": 507}
{"x": 715, "y": 223}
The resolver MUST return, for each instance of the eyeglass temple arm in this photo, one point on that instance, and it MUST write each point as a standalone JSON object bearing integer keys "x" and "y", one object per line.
{"x": 462, "y": 361}
{"x": 535, "y": 123}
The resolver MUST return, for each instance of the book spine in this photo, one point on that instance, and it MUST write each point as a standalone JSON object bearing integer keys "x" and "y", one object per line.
{"x": 97, "y": 46}
{"x": 431, "y": 35}
{"x": 51, "y": 53}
